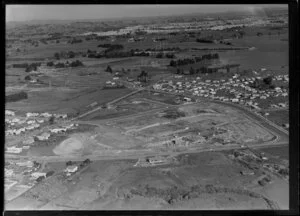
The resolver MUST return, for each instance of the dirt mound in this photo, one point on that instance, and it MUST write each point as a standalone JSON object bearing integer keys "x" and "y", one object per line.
{"x": 68, "y": 146}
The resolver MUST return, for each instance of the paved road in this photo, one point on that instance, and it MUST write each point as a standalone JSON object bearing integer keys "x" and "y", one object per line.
{"x": 135, "y": 154}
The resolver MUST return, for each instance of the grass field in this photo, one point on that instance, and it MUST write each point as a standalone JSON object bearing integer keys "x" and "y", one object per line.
{"x": 279, "y": 117}
{"x": 281, "y": 152}
{"x": 64, "y": 101}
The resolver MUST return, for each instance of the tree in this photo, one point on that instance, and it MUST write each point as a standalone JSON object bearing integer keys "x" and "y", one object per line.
{"x": 87, "y": 161}
{"x": 51, "y": 120}
{"x": 56, "y": 55}
{"x": 242, "y": 34}
{"x": 60, "y": 65}
{"x": 39, "y": 179}
{"x": 28, "y": 77}
{"x": 69, "y": 163}
{"x": 173, "y": 63}
{"x": 71, "y": 54}
{"x": 268, "y": 80}
{"x": 36, "y": 164}
{"x": 50, "y": 173}
{"x": 50, "y": 64}
{"x": 108, "y": 69}
{"x": 159, "y": 55}
{"x": 259, "y": 34}
{"x": 192, "y": 71}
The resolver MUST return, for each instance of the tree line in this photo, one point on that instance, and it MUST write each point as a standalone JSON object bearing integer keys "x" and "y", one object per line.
{"x": 76, "y": 63}
{"x": 16, "y": 97}
{"x": 265, "y": 83}
{"x": 65, "y": 54}
{"x": 204, "y": 40}
{"x": 186, "y": 61}
{"x": 74, "y": 41}
{"x": 28, "y": 67}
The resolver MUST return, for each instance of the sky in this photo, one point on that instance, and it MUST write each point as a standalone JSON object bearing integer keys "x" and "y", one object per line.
{"x": 72, "y": 12}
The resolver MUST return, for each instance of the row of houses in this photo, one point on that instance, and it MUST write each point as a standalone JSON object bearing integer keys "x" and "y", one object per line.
{"x": 32, "y": 121}
{"x": 239, "y": 90}
{"x": 21, "y": 130}
{"x": 46, "y": 115}
{"x": 63, "y": 129}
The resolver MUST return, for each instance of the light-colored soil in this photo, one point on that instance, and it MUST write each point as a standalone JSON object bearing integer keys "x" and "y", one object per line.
{"x": 68, "y": 146}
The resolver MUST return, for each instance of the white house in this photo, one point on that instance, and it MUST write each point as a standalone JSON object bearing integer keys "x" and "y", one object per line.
{"x": 8, "y": 172}
{"x": 10, "y": 113}
{"x": 35, "y": 175}
{"x": 27, "y": 164}
{"x": 43, "y": 136}
{"x": 31, "y": 114}
{"x": 71, "y": 169}
{"x": 46, "y": 115}
{"x": 14, "y": 150}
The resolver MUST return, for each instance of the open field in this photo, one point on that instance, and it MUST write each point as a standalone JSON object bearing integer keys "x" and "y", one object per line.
{"x": 64, "y": 101}
{"x": 118, "y": 185}
{"x": 281, "y": 152}
{"x": 279, "y": 117}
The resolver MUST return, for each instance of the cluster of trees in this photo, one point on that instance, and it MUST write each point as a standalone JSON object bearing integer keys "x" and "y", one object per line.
{"x": 265, "y": 83}
{"x": 143, "y": 76}
{"x": 239, "y": 34}
{"x": 100, "y": 38}
{"x": 141, "y": 53}
{"x": 113, "y": 46}
{"x": 118, "y": 54}
{"x": 109, "y": 69}
{"x": 140, "y": 32}
{"x": 43, "y": 41}
{"x": 167, "y": 55}
{"x": 186, "y": 61}
{"x": 113, "y": 54}
{"x": 259, "y": 34}
{"x": 92, "y": 54}
{"x": 173, "y": 114}
{"x": 74, "y": 40}
{"x": 29, "y": 67}
{"x": 76, "y": 63}
{"x": 160, "y": 39}
{"x": 164, "y": 49}
{"x": 82, "y": 164}
{"x": 50, "y": 64}
{"x": 16, "y": 97}
{"x": 64, "y": 54}
{"x": 24, "y": 65}
{"x": 32, "y": 67}
{"x": 204, "y": 40}
{"x": 225, "y": 42}
{"x": 173, "y": 33}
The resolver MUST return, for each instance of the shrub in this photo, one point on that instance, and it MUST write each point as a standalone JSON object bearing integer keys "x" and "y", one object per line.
{"x": 50, "y": 173}
{"x": 28, "y": 77}
{"x": 16, "y": 97}
{"x": 50, "y": 64}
